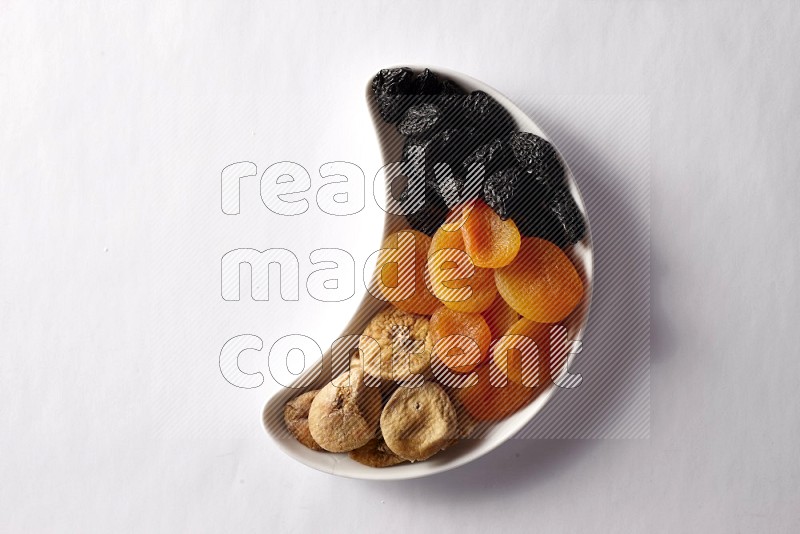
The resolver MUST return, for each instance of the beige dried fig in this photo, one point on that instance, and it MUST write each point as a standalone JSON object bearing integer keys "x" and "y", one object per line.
{"x": 416, "y": 423}
{"x": 295, "y": 414}
{"x": 376, "y": 454}
{"x": 344, "y": 414}
{"x": 403, "y": 347}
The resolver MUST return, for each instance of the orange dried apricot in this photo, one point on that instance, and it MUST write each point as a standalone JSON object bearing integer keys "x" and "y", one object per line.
{"x": 446, "y": 323}
{"x": 490, "y": 241}
{"x": 541, "y": 284}
{"x": 454, "y": 279}
{"x": 402, "y": 272}
{"x": 487, "y": 402}
{"x": 528, "y": 353}
{"x": 500, "y": 316}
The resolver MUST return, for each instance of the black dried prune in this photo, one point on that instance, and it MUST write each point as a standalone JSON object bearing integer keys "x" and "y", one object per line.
{"x": 565, "y": 209}
{"x": 542, "y": 165}
{"x": 419, "y": 119}
{"x": 397, "y": 89}
{"x": 478, "y": 103}
{"x": 431, "y": 215}
{"x": 451, "y": 88}
{"x": 513, "y": 193}
{"x": 389, "y": 87}
{"x": 451, "y": 146}
{"x": 534, "y": 194}
{"x": 539, "y": 159}
{"x": 454, "y": 183}
{"x": 481, "y": 114}
{"x": 416, "y": 145}
{"x": 499, "y": 190}
{"x": 539, "y": 221}
{"x": 487, "y": 115}
{"x": 447, "y": 181}
{"x": 449, "y": 100}
{"x": 449, "y": 186}
{"x": 427, "y": 83}
{"x": 425, "y": 152}
{"x": 494, "y": 156}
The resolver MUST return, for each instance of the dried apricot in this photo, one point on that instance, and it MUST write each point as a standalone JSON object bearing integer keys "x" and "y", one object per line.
{"x": 487, "y": 402}
{"x": 490, "y": 241}
{"x": 454, "y": 279}
{"x": 401, "y": 273}
{"x": 529, "y": 353}
{"x": 500, "y": 316}
{"x": 541, "y": 284}
{"x": 445, "y": 323}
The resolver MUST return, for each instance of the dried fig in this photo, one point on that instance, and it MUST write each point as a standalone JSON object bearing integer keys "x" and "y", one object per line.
{"x": 376, "y": 454}
{"x": 295, "y": 415}
{"x": 405, "y": 345}
{"x": 416, "y": 423}
{"x": 344, "y": 414}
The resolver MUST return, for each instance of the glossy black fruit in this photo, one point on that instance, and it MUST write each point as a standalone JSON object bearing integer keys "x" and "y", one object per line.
{"x": 427, "y": 83}
{"x": 563, "y": 206}
{"x": 451, "y": 88}
{"x": 431, "y": 216}
{"x": 389, "y": 87}
{"x": 494, "y": 156}
{"x": 452, "y": 180}
{"x": 539, "y": 159}
{"x": 484, "y": 113}
{"x": 420, "y": 119}
{"x": 513, "y": 194}
{"x": 434, "y": 211}
{"x": 500, "y": 189}
{"x": 541, "y": 222}
{"x": 541, "y": 163}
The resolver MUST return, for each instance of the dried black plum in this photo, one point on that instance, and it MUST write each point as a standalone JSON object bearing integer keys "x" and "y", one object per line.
{"x": 434, "y": 210}
{"x": 540, "y": 221}
{"x": 424, "y": 149}
{"x": 494, "y": 156}
{"x": 454, "y": 183}
{"x": 478, "y": 103}
{"x": 449, "y": 100}
{"x": 388, "y": 88}
{"x": 452, "y": 146}
{"x": 416, "y": 145}
{"x": 431, "y": 215}
{"x": 449, "y": 184}
{"x": 535, "y": 193}
{"x": 485, "y": 114}
{"x": 499, "y": 190}
{"x": 419, "y": 119}
{"x": 419, "y": 146}
{"x": 537, "y": 211}
{"x": 397, "y": 89}
{"x": 451, "y": 88}
{"x": 427, "y": 83}
{"x": 565, "y": 209}
{"x": 539, "y": 159}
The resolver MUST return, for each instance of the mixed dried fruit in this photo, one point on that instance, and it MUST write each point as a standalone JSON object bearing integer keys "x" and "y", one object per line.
{"x": 474, "y": 285}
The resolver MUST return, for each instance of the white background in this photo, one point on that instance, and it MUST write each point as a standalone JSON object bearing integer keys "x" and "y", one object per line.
{"x": 114, "y": 125}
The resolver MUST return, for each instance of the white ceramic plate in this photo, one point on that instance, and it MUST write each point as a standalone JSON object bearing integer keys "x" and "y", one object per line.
{"x": 315, "y": 377}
